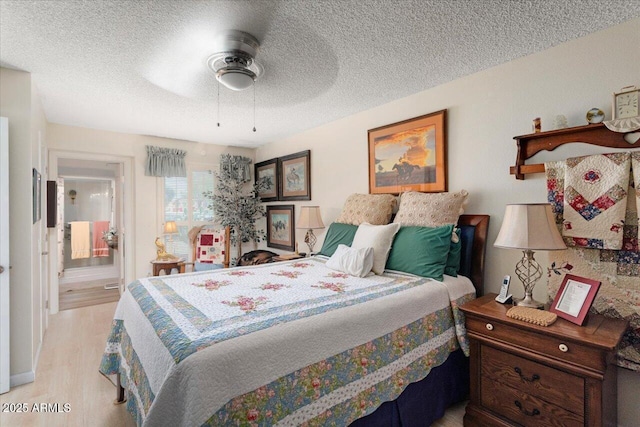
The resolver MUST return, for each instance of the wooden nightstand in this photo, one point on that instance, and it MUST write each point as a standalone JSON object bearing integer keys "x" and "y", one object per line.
{"x": 524, "y": 374}
{"x": 167, "y": 266}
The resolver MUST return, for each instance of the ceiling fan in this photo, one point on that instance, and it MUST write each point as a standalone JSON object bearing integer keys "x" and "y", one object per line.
{"x": 234, "y": 62}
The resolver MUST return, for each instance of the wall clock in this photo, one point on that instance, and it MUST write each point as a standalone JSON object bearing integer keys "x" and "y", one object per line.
{"x": 625, "y": 103}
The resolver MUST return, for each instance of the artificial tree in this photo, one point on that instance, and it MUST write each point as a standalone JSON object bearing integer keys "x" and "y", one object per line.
{"x": 235, "y": 203}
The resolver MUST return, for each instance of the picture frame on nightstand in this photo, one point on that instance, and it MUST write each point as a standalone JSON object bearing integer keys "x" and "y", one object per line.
{"x": 574, "y": 298}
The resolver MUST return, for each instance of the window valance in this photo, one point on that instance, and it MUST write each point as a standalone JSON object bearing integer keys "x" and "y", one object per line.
{"x": 165, "y": 162}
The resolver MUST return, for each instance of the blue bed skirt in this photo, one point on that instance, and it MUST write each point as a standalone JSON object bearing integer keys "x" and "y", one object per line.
{"x": 421, "y": 403}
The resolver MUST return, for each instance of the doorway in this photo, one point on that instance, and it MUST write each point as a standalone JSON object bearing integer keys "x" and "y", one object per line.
{"x": 88, "y": 243}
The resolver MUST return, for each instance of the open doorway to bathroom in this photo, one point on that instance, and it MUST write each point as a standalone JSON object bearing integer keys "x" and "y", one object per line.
{"x": 88, "y": 242}
{"x": 89, "y": 216}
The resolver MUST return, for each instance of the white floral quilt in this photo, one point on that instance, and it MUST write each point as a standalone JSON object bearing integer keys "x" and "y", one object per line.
{"x": 291, "y": 343}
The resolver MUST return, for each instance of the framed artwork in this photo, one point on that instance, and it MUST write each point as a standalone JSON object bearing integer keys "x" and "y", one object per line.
{"x": 409, "y": 156}
{"x": 268, "y": 170}
{"x": 295, "y": 176}
{"x": 280, "y": 227}
{"x": 37, "y": 191}
{"x": 574, "y": 298}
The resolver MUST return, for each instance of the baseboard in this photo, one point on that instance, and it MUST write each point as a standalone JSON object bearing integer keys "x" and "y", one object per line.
{"x": 23, "y": 378}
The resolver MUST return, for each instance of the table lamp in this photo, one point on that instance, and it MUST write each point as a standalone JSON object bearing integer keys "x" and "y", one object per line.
{"x": 529, "y": 227}
{"x": 170, "y": 228}
{"x": 310, "y": 219}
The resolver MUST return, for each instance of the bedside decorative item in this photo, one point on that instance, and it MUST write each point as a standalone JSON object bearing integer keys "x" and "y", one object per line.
{"x": 560, "y": 122}
{"x": 574, "y": 298}
{"x": 537, "y": 125}
{"x": 161, "y": 251}
{"x": 595, "y": 115}
{"x": 310, "y": 219}
{"x": 625, "y": 103}
{"x": 529, "y": 227}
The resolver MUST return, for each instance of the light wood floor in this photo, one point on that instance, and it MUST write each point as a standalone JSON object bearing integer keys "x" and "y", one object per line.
{"x": 68, "y": 373}
{"x": 88, "y": 293}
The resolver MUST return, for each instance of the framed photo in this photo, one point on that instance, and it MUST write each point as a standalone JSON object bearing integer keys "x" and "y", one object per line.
{"x": 269, "y": 171}
{"x": 37, "y": 192}
{"x": 280, "y": 227}
{"x": 574, "y": 298}
{"x": 409, "y": 155}
{"x": 295, "y": 176}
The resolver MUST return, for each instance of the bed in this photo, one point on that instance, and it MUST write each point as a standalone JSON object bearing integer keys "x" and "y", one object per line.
{"x": 295, "y": 343}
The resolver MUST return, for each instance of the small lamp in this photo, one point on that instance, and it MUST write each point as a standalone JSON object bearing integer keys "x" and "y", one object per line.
{"x": 529, "y": 227}
{"x": 170, "y": 228}
{"x": 310, "y": 219}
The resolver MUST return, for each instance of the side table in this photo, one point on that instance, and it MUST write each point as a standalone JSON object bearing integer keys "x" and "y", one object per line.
{"x": 167, "y": 266}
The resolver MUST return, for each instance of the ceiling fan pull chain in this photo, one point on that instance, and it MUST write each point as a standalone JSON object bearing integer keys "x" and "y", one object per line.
{"x": 254, "y": 106}
{"x": 218, "y": 112}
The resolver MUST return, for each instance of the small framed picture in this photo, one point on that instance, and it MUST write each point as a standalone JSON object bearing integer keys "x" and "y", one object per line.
{"x": 280, "y": 227}
{"x": 268, "y": 170}
{"x": 574, "y": 298}
{"x": 295, "y": 176}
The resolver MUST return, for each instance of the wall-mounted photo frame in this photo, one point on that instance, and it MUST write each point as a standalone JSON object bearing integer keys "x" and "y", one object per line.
{"x": 37, "y": 195}
{"x": 295, "y": 176}
{"x": 574, "y": 298}
{"x": 409, "y": 156}
{"x": 280, "y": 227}
{"x": 268, "y": 170}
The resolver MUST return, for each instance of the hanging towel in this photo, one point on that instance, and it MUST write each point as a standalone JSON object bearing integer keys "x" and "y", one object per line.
{"x": 80, "y": 240}
{"x": 100, "y": 247}
{"x": 595, "y": 200}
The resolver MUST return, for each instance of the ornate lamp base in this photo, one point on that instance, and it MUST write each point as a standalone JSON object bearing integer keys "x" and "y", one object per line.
{"x": 310, "y": 239}
{"x": 528, "y": 301}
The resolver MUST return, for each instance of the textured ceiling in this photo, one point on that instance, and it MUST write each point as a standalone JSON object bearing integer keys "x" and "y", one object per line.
{"x": 139, "y": 66}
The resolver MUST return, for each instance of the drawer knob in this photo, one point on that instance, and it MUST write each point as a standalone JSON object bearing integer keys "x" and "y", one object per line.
{"x": 534, "y": 377}
{"x": 563, "y": 348}
{"x": 490, "y": 326}
{"x": 524, "y": 411}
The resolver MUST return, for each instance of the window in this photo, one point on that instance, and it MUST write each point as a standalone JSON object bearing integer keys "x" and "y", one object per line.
{"x": 185, "y": 203}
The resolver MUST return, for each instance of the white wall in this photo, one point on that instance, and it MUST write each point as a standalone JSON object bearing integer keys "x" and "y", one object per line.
{"x": 19, "y": 102}
{"x": 485, "y": 111}
{"x": 147, "y": 224}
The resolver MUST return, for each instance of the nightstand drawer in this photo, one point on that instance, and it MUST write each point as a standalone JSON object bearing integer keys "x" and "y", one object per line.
{"x": 533, "y": 378}
{"x": 524, "y": 409}
{"x": 545, "y": 345}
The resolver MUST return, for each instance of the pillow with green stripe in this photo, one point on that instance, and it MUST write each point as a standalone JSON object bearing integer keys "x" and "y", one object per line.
{"x": 338, "y": 234}
{"x": 421, "y": 250}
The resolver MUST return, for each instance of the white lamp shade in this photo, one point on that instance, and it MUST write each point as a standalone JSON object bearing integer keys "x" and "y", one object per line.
{"x": 170, "y": 227}
{"x": 310, "y": 218}
{"x": 529, "y": 226}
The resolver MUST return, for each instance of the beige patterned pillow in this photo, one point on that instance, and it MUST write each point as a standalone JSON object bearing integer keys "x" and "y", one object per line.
{"x": 376, "y": 209}
{"x": 430, "y": 209}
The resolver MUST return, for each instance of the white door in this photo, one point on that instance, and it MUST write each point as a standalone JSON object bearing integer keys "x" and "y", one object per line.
{"x": 4, "y": 255}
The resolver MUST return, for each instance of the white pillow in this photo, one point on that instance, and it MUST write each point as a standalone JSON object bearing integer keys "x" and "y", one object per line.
{"x": 378, "y": 237}
{"x": 356, "y": 262}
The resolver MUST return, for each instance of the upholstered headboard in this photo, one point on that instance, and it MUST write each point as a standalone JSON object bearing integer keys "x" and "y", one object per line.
{"x": 473, "y": 233}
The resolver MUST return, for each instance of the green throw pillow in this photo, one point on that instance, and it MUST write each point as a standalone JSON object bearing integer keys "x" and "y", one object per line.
{"x": 338, "y": 234}
{"x": 455, "y": 254}
{"x": 421, "y": 250}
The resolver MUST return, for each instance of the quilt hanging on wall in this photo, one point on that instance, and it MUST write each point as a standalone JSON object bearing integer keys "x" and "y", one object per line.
{"x": 596, "y": 200}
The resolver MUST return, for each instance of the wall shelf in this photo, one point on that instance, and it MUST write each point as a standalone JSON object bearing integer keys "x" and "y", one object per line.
{"x": 531, "y": 144}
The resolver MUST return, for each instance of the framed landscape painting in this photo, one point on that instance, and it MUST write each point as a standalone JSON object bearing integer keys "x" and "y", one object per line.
{"x": 268, "y": 170}
{"x": 295, "y": 176}
{"x": 409, "y": 155}
{"x": 280, "y": 227}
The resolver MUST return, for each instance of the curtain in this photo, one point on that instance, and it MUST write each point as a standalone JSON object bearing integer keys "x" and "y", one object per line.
{"x": 165, "y": 162}
{"x": 236, "y": 166}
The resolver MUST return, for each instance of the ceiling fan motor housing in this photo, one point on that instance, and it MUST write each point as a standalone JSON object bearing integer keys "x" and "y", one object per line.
{"x": 234, "y": 62}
